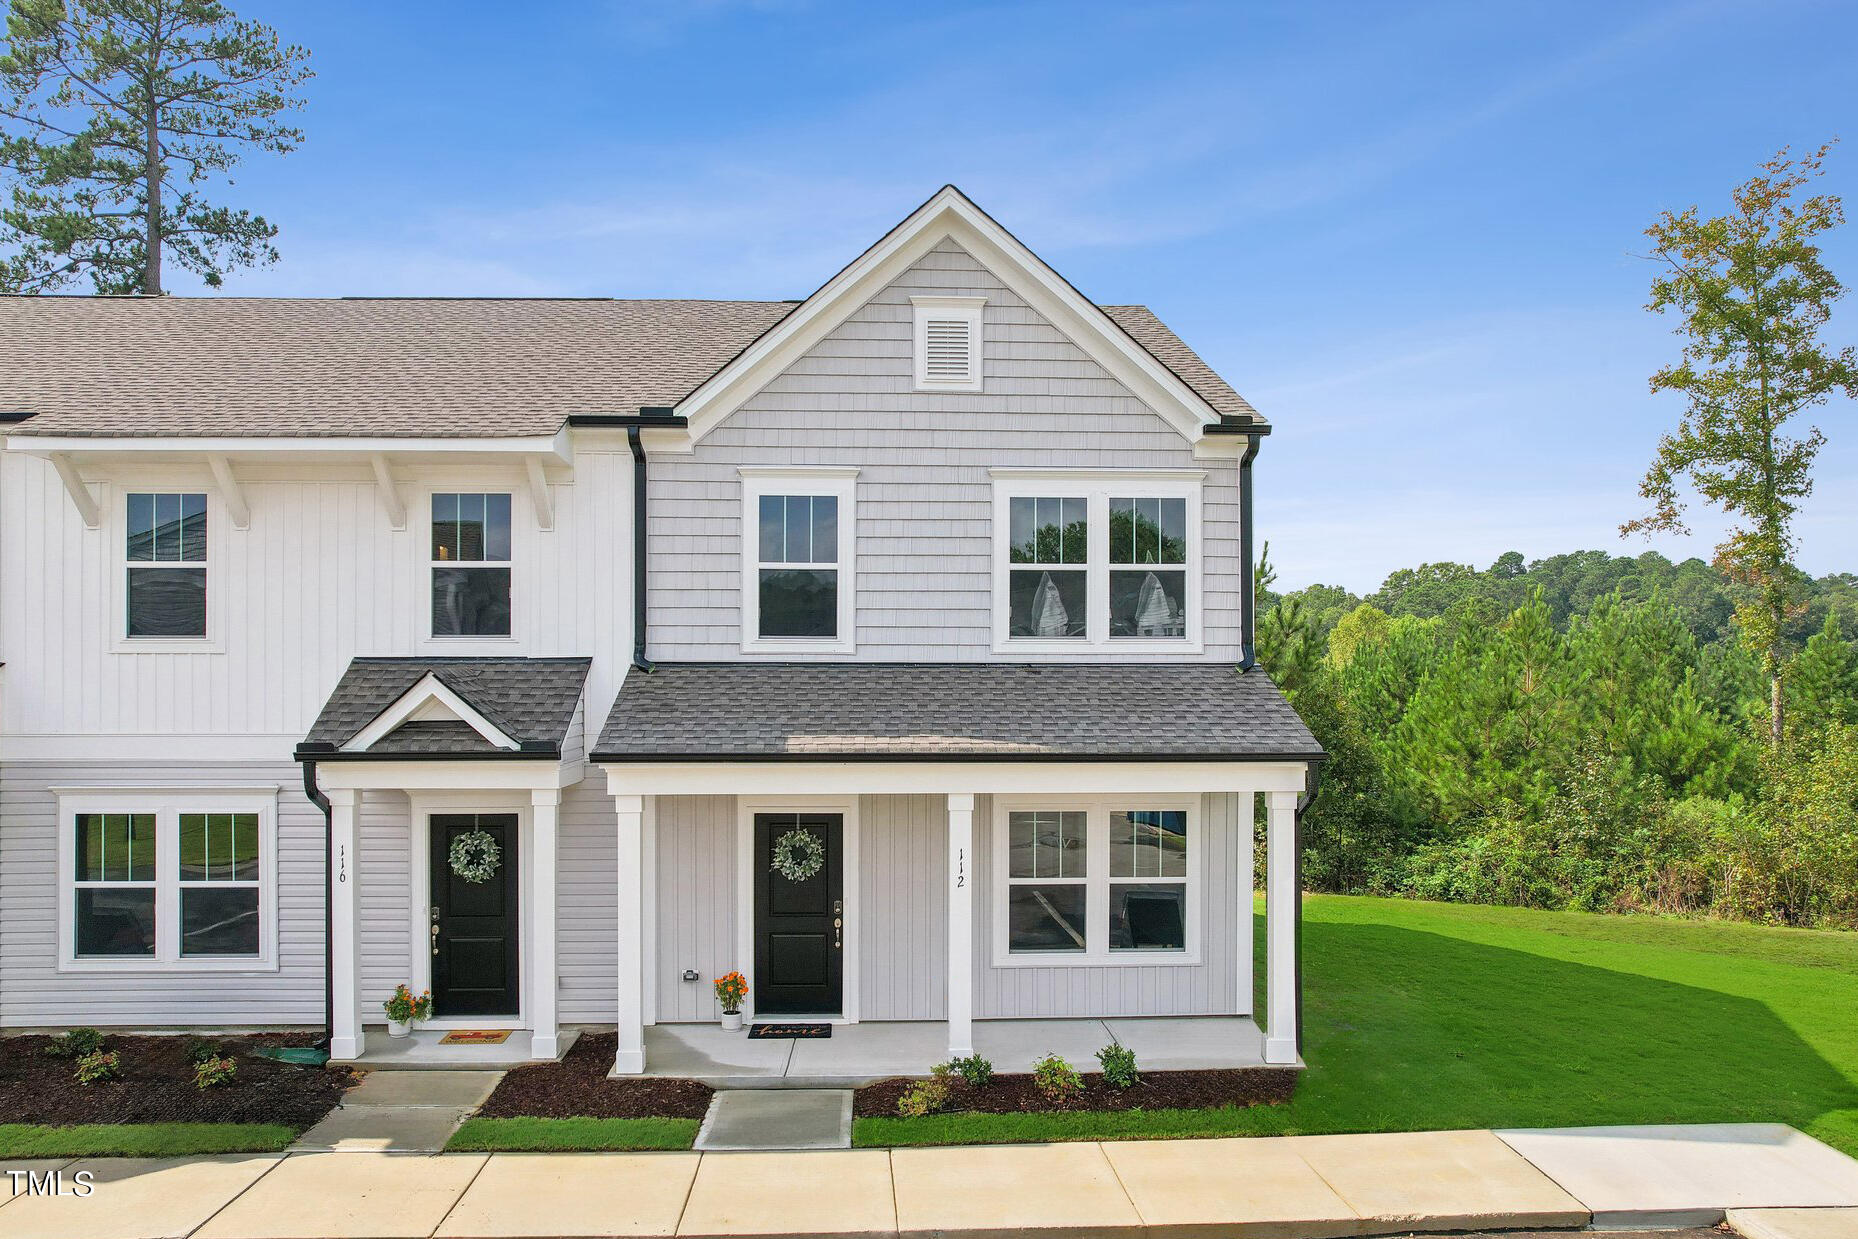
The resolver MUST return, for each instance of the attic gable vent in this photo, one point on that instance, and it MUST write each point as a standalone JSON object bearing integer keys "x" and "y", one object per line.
{"x": 948, "y": 343}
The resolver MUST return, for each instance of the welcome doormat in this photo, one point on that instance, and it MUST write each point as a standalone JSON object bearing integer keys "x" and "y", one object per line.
{"x": 762, "y": 1032}
{"x": 476, "y": 1036}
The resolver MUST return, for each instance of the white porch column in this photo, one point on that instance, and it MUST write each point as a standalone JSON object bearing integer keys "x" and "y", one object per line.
{"x": 544, "y": 976}
{"x": 629, "y": 1058}
{"x": 960, "y": 924}
{"x": 345, "y": 1036}
{"x": 1280, "y": 1045}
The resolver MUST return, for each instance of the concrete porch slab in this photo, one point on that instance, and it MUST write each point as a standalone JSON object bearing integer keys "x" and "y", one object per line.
{"x": 135, "y": 1198}
{"x": 1689, "y": 1174}
{"x": 326, "y": 1196}
{"x": 1795, "y": 1223}
{"x": 720, "y": 1059}
{"x": 1190, "y": 1043}
{"x": 420, "y": 1051}
{"x": 523, "y": 1194}
{"x": 844, "y": 1193}
{"x": 778, "y": 1118}
{"x": 1442, "y": 1180}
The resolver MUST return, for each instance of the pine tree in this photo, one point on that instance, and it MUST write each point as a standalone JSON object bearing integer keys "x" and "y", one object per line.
{"x": 1823, "y": 688}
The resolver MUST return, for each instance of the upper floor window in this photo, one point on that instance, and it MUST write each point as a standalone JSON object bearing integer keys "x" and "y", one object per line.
{"x": 946, "y": 338}
{"x": 471, "y": 565}
{"x": 166, "y": 565}
{"x": 1107, "y": 559}
{"x": 180, "y": 881}
{"x": 797, "y": 583}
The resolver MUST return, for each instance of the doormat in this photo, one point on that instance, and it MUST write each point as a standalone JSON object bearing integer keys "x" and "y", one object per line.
{"x": 476, "y": 1036}
{"x": 762, "y": 1032}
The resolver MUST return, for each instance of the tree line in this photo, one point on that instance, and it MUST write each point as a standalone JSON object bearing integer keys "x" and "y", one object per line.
{"x": 1586, "y": 731}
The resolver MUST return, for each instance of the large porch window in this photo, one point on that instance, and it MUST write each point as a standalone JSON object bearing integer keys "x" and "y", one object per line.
{"x": 1096, "y": 882}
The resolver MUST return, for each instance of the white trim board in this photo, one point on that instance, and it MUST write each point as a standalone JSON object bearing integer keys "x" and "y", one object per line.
{"x": 429, "y": 690}
{"x": 951, "y": 215}
{"x": 831, "y": 779}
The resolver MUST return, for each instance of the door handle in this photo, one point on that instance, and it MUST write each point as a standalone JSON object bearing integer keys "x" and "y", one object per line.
{"x": 838, "y": 924}
{"x": 435, "y": 933}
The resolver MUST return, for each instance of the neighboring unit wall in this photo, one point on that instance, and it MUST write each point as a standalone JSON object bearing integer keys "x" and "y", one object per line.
{"x": 384, "y": 873}
{"x": 33, "y": 993}
{"x": 903, "y": 902}
{"x": 320, "y": 577}
{"x": 696, "y": 861}
{"x": 586, "y": 924}
{"x": 1207, "y": 988}
{"x": 924, "y": 495}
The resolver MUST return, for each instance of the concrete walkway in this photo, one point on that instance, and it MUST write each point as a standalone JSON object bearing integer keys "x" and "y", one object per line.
{"x": 1319, "y": 1187}
{"x": 777, "y": 1118}
{"x": 400, "y": 1112}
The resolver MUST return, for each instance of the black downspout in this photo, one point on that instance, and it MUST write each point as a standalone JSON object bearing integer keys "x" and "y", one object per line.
{"x": 638, "y": 549}
{"x": 1248, "y": 596}
{"x": 322, "y": 802}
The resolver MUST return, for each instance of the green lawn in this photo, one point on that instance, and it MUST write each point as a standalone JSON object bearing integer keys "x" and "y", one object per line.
{"x": 531, "y": 1135}
{"x": 141, "y": 1139}
{"x": 1427, "y": 1016}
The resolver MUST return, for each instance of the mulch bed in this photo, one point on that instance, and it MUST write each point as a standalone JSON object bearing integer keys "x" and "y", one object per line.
{"x": 1158, "y": 1090}
{"x": 158, "y": 1084}
{"x": 577, "y": 1087}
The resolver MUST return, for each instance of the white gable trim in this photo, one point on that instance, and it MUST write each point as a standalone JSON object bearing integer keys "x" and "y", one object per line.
{"x": 416, "y": 701}
{"x": 952, "y": 216}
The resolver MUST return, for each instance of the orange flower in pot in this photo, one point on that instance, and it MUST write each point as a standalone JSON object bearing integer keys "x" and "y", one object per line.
{"x": 731, "y": 991}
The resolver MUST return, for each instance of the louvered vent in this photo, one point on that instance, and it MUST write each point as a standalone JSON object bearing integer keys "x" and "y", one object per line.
{"x": 949, "y": 351}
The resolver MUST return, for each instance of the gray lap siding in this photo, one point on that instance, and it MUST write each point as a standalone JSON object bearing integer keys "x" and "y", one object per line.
{"x": 924, "y": 498}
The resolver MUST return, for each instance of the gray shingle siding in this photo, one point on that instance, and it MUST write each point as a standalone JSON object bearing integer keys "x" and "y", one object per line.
{"x": 924, "y": 498}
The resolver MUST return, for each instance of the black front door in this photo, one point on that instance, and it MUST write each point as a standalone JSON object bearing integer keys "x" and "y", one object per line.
{"x": 474, "y": 948}
{"x": 799, "y": 922}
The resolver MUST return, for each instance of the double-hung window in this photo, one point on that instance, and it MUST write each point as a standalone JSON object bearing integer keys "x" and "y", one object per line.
{"x": 1104, "y": 881}
{"x": 797, "y": 570}
{"x": 166, "y": 881}
{"x": 165, "y": 572}
{"x": 1096, "y": 559}
{"x": 471, "y": 565}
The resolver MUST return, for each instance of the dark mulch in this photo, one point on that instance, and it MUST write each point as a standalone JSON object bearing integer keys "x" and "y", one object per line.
{"x": 1158, "y": 1090}
{"x": 577, "y": 1087}
{"x": 158, "y": 1084}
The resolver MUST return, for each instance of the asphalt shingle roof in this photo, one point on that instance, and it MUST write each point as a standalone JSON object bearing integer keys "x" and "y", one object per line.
{"x": 392, "y": 368}
{"x": 531, "y": 700}
{"x": 823, "y": 711}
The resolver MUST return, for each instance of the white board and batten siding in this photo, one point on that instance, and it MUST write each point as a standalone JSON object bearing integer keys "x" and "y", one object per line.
{"x": 924, "y": 494}
{"x": 319, "y": 577}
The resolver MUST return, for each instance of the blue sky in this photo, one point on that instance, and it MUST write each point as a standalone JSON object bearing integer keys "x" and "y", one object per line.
{"x": 1406, "y": 231}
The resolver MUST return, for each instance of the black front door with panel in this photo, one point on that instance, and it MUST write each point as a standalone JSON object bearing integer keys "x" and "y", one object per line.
{"x": 799, "y": 914}
{"x": 473, "y": 923}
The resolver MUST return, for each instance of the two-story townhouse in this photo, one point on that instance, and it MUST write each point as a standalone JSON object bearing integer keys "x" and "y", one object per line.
{"x": 893, "y": 646}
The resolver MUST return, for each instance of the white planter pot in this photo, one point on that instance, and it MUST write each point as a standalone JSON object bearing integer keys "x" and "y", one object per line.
{"x": 397, "y": 1029}
{"x": 732, "y": 1021}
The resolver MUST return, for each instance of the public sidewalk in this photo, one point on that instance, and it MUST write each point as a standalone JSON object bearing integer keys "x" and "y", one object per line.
{"x": 1282, "y": 1187}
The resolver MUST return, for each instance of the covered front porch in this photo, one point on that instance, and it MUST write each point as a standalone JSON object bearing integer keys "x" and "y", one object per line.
{"x": 859, "y": 1054}
{"x": 1022, "y": 854}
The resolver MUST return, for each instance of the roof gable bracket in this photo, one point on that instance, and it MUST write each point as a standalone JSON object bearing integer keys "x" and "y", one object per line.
{"x": 538, "y": 491}
{"x": 429, "y": 690}
{"x": 81, "y": 498}
{"x": 230, "y": 493}
{"x": 389, "y": 489}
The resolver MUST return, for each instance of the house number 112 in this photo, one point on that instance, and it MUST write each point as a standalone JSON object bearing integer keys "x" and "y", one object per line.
{"x": 961, "y": 867}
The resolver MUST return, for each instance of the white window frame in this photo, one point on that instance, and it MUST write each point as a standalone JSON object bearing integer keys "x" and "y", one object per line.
{"x": 1097, "y": 487}
{"x": 122, "y": 642}
{"x": 842, "y": 484}
{"x": 452, "y": 644}
{"x": 1097, "y": 882}
{"x": 167, "y": 805}
{"x": 965, "y": 309}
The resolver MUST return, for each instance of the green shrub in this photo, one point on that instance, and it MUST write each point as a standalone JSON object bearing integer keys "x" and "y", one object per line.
{"x": 199, "y": 1049}
{"x": 925, "y": 1096}
{"x": 1057, "y": 1079}
{"x": 213, "y": 1071}
{"x": 977, "y": 1071}
{"x": 75, "y": 1043}
{"x": 97, "y": 1066}
{"x": 1119, "y": 1065}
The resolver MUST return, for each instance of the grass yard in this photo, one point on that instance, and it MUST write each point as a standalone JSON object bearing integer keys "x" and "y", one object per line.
{"x": 1434, "y": 1016}
{"x": 529, "y": 1135}
{"x": 21, "y": 1140}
